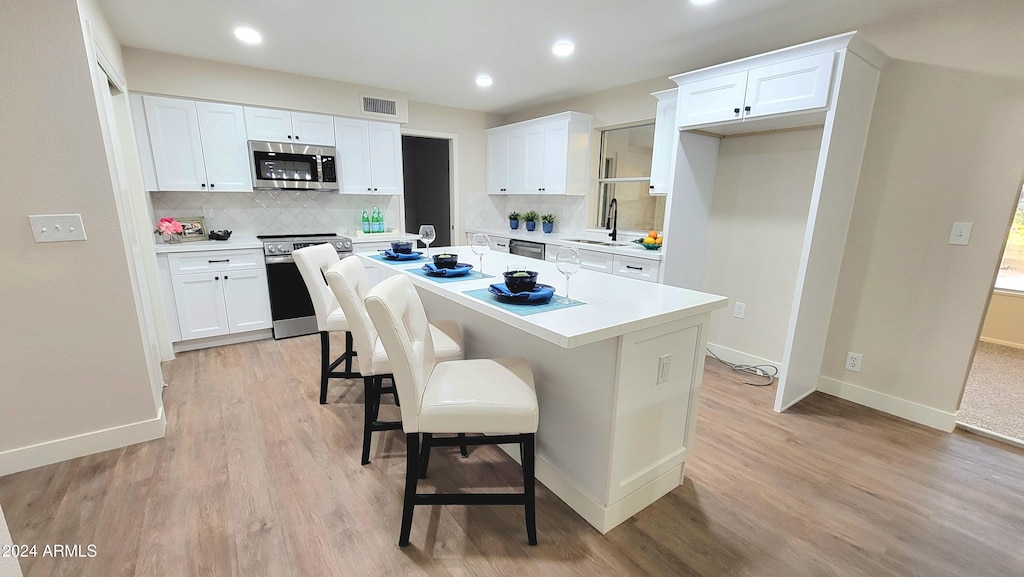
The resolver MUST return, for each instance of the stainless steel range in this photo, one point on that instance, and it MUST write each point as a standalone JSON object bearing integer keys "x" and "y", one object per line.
{"x": 290, "y": 305}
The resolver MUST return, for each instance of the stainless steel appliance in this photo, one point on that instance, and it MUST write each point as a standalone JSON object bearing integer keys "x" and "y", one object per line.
{"x": 290, "y": 306}
{"x": 526, "y": 248}
{"x": 278, "y": 165}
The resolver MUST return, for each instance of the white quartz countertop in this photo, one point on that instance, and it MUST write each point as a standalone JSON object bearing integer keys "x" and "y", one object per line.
{"x": 234, "y": 243}
{"x": 614, "y": 305}
{"x": 562, "y": 239}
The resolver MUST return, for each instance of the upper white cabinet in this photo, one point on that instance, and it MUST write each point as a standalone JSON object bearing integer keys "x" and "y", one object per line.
{"x": 197, "y": 145}
{"x": 547, "y": 155}
{"x": 273, "y": 125}
{"x": 369, "y": 156}
{"x": 797, "y": 85}
{"x": 663, "y": 161}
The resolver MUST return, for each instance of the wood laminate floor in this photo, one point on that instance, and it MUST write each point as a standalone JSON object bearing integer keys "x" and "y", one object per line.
{"x": 255, "y": 478}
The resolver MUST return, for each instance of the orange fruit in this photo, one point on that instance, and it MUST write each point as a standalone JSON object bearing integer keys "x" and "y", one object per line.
{"x": 653, "y": 234}
{"x": 659, "y": 240}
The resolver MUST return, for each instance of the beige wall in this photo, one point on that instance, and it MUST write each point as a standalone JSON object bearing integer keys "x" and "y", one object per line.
{"x": 944, "y": 146}
{"x": 71, "y": 353}
{"x": 1004, "y": 322}
{"x": 758, "y": 218}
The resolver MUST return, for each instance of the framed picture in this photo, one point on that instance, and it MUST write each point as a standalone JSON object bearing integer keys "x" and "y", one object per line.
{"x": 193, "y": 228}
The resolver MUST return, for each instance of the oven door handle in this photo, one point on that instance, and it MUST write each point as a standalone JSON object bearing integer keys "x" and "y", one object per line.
{"x": 283, "y": 259}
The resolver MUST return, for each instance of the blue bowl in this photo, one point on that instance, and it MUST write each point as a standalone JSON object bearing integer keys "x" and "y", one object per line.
{"x": 520, "y": 281}
{"x": 446, "y": 260}
{"x": 402, "y": 247}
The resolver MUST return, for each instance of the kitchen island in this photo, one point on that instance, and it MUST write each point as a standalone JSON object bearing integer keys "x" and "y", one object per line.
{"x": 618, "y": 378}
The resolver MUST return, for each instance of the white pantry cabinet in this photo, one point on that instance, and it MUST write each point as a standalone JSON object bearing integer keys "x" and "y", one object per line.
{"x": 275, "y": 125}
{"x": 548, "y": 155}
{"x": 197, "y": 145}
{"x": 798, "y": 85}
{"x": 369, "y": 156}
{"x": 219, "y": 292}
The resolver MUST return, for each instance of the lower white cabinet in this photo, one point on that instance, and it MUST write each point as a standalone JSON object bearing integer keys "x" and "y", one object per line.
{"x": 217, "y": 296}
{"x": 595, "y": 260}
{"x": 499, "y": 243}
{"x": 638, "y": 268}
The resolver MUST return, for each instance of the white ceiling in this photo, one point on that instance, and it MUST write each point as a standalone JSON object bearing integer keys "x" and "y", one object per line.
{"x": 433, "y": 49}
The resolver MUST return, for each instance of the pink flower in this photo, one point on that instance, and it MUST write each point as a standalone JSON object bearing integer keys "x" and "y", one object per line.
{"x": 168, "y": 225}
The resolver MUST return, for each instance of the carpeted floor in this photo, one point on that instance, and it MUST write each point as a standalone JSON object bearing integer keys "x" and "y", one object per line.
{"x": 994, "y": 397}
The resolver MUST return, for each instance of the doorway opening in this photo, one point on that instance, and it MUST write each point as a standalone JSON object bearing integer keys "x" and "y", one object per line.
{"x": 427, "y": 170}
{"x": 993, "y": 399}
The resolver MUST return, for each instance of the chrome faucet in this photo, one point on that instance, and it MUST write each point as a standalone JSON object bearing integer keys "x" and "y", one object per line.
{"x": 613, "y": 216}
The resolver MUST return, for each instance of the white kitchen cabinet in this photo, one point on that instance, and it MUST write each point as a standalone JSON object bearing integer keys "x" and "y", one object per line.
{"x": 275, "y": 125}
{"x": 666, "y": 137}
{"x": 596, "y": 260}
{"x": 547, "y": 155}
{"x": 499, "y": 243}
{"x": 219, "y": 292}
{"x": 369, "y": 156}
{"x": 797, "y": 85}
{"x": 634, "y": 267}
{"x": 197, "y": 145}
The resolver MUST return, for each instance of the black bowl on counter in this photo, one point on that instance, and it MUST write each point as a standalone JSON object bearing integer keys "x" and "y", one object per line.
{"x": 520, "y": 281}
{"x": 446, "y": 260}
{"x": 402, "y": 247}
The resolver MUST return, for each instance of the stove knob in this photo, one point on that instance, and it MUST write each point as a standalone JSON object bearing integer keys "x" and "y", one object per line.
{"x": 348, "y": 245}
{"x": 340, "y": 245}
{"x": 280, "y": 248}
{"x": 271, "y": 248}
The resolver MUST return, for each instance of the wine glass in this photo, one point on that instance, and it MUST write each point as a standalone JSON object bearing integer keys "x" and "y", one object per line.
{"x": 427, "y": 235}
{"x": 481, "y": 245}
{"x": 568, "y": 262}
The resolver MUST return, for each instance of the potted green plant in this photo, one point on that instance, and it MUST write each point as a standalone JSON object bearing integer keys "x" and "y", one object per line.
{"x": 531, "y": 220}
{"x": 513, "y": 220}
{"x": 548, "y": 222}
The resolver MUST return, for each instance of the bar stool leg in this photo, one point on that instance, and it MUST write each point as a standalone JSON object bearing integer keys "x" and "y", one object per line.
{"x": 462, "y": 447}
{"x": 325, "y": 364}
{"x": 529, "y": 488}
{"x": 349, "y": 352}
{"x": 368, "y": 417}
{"x": 425, "y": 454}
{"x": 412, "y": 457}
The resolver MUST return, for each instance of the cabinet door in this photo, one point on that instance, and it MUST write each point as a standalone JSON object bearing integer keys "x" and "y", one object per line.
{"x": 638, "y": 268}
{"x": 353, "y": 161}
{"x": 516, "y": 142}
{"x": 268, "y": 124}
{"x": 313, "y": 129}
{"x": 595, "y": 260}
{"x": 534, "y": 178}
{"x": 797, "y": 85}
{"x": 556, "y": 157}
{"x": 177, "y": 148}
{"x": 247, "y": 300}
{"x": 666, "y": 137}
{"x": 225, "y": 152}
{"x": 499, "y": 243}
{"x": 385, "y": 158}
{"x": 199, "y": 301}
{"x": 713, "y": 100}
{"x": 497, "y": 163}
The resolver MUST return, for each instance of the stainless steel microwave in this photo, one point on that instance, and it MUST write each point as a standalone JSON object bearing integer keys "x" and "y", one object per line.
{"x": 286, "y": 165}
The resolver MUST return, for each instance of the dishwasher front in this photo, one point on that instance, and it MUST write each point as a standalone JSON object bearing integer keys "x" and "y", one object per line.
{"x": 526, "y": 248}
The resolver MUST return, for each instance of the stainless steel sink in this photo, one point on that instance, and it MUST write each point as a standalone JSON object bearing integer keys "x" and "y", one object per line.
{"x": 597, "y": 242}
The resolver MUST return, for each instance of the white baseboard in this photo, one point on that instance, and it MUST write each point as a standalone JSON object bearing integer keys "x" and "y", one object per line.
{"x": 1010, "y": 344}
{"x": 24, "y": 458}
{"x": 911, "y": 411}
{"x": 221, "y": 340}
{"x": 739, "y": 357}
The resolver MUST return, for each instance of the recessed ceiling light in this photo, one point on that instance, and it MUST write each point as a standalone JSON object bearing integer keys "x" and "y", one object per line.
{"x": 484, "y": 80}
{"x": 700, "y": 2}
{"x": 248, "y": 35}
{"x": 563, "y": 48}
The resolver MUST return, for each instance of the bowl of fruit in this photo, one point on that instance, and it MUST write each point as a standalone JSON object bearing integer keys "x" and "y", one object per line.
{"x": 446, "y": 260}
{"x": 652, "y": 241}
{"x": 520, "y": 281}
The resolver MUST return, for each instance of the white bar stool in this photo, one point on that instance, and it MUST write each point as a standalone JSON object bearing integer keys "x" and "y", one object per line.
{"x": 493, "y": 395}
{"x": 349, "y": 283}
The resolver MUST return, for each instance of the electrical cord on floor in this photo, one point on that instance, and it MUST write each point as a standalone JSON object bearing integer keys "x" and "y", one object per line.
{"x": 767, "y": 371}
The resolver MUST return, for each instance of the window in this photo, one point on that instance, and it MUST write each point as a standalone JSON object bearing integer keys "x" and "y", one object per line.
{"x": 625, "y": 175}
{"x": 1011, "y": 269}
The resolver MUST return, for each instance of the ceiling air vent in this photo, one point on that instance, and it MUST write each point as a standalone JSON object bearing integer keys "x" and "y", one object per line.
{"x": 380, "y": 106}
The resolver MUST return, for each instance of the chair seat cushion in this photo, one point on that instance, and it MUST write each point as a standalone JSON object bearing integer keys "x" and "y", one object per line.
{"x": 336, "y": 320}
{"x": 447, "y": 336}
{"x": 480, "y": 396}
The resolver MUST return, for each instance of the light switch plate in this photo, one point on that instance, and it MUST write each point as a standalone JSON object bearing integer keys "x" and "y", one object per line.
{"x": 961, "y": 233}
{"x": 57, "y": 227}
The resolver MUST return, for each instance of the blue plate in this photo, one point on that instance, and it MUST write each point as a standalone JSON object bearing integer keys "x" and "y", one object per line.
{"x": 461, "y": 269}
{"x": 540, "y": 294}
{"x": 392, "y": 255}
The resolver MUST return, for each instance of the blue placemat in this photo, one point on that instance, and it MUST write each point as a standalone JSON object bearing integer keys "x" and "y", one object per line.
{"x": 473, "y": 275}
{"x": 381, "y": 258}
{"x": 525, "y": 309}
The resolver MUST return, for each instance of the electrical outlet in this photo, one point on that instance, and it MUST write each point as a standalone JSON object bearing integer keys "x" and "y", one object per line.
{"x": 207, "y": 211}
{"x": 739, "y": 310}
{"x": 853, "y": 361}
{"x": 664, "y": 368}
{"x": 57, "y": 227}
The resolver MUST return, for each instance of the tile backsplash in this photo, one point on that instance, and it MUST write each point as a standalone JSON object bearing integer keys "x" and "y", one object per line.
{"x": 277, "y": 211}
{"x": 491, "y": 211}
